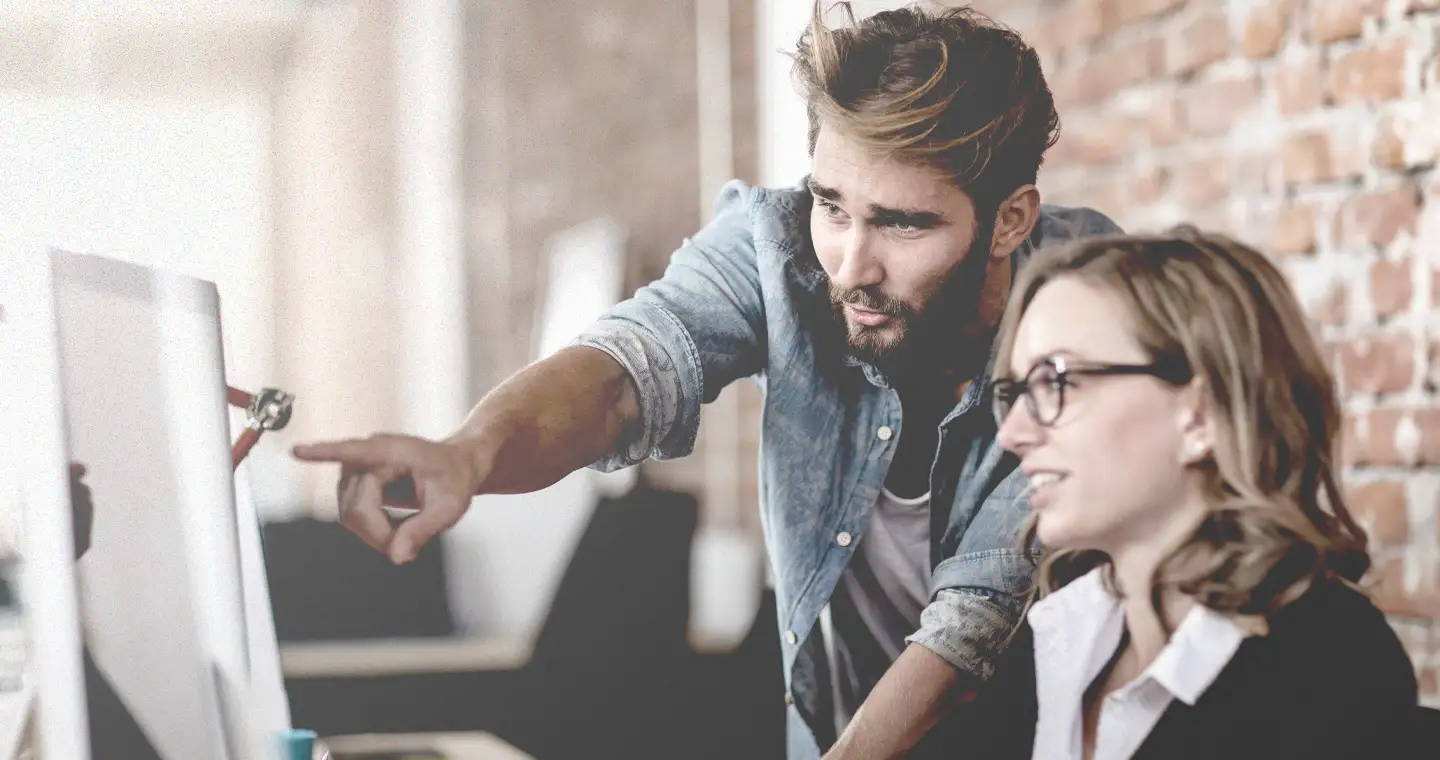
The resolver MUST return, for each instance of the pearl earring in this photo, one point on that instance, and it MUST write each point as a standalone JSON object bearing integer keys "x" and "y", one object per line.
{"x": 1195, "y": 451}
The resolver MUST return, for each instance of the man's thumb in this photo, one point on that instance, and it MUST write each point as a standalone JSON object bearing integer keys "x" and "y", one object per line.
{"x": 415, "y": 532}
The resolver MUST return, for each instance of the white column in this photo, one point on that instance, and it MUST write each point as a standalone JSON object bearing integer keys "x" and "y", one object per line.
{"x": 433, "y": 393}
{"x": 717, "y": 165}
{"x": 725, "y": 562}
{"x": 784, "y": 154}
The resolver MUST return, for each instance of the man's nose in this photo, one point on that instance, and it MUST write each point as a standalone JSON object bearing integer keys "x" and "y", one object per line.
{"x": 860, "y": 267}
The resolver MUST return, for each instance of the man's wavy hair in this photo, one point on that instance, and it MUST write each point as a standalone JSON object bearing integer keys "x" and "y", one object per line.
{"x": 951, "y": 90}
{"x": 1277, "y": 520}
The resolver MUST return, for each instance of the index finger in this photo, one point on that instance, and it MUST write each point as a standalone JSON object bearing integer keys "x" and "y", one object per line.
{"x": 363, "y": 452}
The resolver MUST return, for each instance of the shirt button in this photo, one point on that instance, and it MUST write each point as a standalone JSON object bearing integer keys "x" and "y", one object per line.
{"x": 789, "y": 700}
{"x": 844, "y": 538}
{"x": 790, "y": 637}
{"x": 884, "y": 433}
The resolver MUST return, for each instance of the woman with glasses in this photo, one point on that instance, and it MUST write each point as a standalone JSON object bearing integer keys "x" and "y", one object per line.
{"x": 1198, "y": 597}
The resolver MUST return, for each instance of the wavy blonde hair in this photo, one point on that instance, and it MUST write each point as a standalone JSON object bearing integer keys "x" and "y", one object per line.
{"x": 1277, "y": 519}
{"x": 949, "y": 89}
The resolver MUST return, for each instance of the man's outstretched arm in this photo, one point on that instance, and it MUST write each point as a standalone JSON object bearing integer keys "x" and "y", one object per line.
{"x": 908, "y": 701}
{"x": 630, "y": 388}
{"x": 962, "y": 633}
{"x": 543, "y": 423}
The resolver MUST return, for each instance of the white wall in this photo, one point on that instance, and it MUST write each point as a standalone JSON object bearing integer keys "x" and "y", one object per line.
{"x": 183, "y": 184}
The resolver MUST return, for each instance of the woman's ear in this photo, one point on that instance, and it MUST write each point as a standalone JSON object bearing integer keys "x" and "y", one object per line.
{"x": 1195, "y": 421}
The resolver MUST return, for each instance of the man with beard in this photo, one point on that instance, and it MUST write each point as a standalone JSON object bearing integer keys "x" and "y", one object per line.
{"x": 864, "y": 305}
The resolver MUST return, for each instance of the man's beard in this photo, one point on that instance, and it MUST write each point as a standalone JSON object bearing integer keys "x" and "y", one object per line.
{"x": 922, "y": 338}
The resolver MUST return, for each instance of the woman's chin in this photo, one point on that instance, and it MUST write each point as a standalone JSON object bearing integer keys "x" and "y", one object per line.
{"x": 1055, "y": 532}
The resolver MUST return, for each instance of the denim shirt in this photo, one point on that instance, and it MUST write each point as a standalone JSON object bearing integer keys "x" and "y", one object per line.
{"x": 746, "y": 298}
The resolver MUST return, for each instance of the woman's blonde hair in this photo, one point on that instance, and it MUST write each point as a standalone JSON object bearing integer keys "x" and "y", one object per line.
{"x": 1277, "y": 519}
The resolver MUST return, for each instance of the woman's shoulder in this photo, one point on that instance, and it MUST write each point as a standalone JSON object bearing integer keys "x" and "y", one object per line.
{"x": 1335, "y": 632}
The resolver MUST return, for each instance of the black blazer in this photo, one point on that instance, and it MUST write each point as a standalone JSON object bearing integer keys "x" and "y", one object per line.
{"x": 1330, "y": 680}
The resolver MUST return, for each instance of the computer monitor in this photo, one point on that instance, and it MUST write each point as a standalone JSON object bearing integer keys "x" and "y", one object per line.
{"x": 159, "y": 648}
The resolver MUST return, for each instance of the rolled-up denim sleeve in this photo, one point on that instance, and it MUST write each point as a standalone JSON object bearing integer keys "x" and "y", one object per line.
{"x": 969, "y": 628}
{"x": 978, "y": 595}
{"x": 686, "y": 336}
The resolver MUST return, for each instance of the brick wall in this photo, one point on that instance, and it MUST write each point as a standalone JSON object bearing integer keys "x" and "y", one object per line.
{"x": 575, "y": 113}
{"x": 1309, "y": 128}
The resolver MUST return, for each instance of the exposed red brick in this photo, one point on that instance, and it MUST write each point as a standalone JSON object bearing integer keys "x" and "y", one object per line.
{"x": 1071, "y": 25}
{"x": 1428, "y": 681}
{"x": 1212, "y": 107}
{"x": 1317, "y": 156}
{"x": 1298, "y": 84}
{"x": 1381, "y": 364}
{"x": 1370, "y": 75}
{"x": 1413, "y": 635}
{"x": 1125, "y": 64}
{"x": 1122, "y": 12}
{"x": 1333, "y": 20}
{"x": 1294, "y": 229}
{"x": 1381, "y": 507}
{"x": 1197, "y": 43}
{"x": 1331, "y": 308}
{"x": 1164, "y": 119}
{"x": 1392, "y": 596}
{"x": 1071, "y": 88}
{"x": 1390, "y": 289}
{"x": 1388, "y": 150}
{"x": 1377, "y": 218}
{"x": 1371, "y": 438}
{"x": 1203, "y": 180}
{"x": 1432, "y": 366}
{"x": 1147, "y": 185}
{"x": 1265, "y": 29}
{"x": 1093, "y": 142}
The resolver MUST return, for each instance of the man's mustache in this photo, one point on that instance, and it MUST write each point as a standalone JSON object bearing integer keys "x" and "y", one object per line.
{"x": 868, "y": 301}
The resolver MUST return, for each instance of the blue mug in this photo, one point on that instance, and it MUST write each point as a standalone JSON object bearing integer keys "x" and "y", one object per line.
{"x": 297, "y": 744}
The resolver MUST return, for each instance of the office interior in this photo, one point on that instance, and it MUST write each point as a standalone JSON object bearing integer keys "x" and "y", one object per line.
{"x": 404, "y": 201}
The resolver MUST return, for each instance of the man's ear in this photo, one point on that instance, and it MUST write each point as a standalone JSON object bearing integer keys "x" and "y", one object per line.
{"x": 1014, "y": 220}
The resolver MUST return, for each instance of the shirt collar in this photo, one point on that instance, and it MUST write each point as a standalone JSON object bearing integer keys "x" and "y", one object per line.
{"x": 1197, "y": 652}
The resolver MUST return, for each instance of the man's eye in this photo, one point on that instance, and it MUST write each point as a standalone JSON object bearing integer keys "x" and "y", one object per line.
{"x": 829, "y": 207}
{"x": 905, "y": 229}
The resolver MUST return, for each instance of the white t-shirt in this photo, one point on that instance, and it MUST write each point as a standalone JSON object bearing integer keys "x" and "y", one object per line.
{"x": 880, "y": 596}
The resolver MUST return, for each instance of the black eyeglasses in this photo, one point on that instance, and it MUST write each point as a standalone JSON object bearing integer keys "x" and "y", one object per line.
{"x": 1044, "y": 385}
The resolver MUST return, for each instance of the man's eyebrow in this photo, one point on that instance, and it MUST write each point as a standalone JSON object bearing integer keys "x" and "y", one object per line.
{"x": 908, "y": 217}
{"x": 821, "y": 191}
{"x": 912, "y": 217}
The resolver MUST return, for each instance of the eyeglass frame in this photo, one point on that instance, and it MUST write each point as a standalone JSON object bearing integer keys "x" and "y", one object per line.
{"x": 1005, "y": 391}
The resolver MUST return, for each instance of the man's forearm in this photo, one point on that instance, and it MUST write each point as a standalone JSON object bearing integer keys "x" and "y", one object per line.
{"x": 550, "y": 419}
{"x": 907, "y": 702}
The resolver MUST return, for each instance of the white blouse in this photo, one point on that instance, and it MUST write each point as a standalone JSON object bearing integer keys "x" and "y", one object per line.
{"x": 1077, "y": 630}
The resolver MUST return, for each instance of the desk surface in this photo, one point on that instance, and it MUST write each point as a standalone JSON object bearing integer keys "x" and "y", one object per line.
{"x": 456, "y": 746}
{"x": 381, "y": 657}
